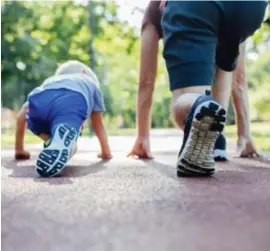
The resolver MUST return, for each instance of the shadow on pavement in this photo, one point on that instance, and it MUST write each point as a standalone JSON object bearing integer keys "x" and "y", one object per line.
{"x": 235, "y": 171}
{"x": 26, "y": 169}
{"x": 164, "y": 169}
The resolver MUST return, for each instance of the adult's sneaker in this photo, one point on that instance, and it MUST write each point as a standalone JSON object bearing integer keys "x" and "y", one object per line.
{"x": 220, "y": 153}
{"x": 203, "y": 125}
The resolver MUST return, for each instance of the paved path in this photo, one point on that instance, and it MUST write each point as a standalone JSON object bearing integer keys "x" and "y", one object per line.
{"x": 133, "y": 205}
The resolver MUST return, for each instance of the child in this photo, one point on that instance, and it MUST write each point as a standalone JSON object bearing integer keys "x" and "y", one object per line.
{"x": 55, "y": 112}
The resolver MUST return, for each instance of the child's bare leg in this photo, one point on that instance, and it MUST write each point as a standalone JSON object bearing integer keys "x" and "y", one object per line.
{"x": 44, "y": 136}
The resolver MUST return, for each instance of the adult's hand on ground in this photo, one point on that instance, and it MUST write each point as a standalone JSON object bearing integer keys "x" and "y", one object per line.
{"x": 105, "y": 156}
{"x": 246, "y": 148}
{"x": 141, "y": 149}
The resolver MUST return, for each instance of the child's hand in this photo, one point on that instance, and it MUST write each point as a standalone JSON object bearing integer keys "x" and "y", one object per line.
{"x": 105, "y": 155}
{"x": 22, "y": 155}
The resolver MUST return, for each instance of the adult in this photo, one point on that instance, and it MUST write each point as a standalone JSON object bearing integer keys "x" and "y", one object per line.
{"x": 151, "y": 33}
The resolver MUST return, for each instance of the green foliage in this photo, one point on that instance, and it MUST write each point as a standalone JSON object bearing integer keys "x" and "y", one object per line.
{"x": 259, "y": 131}
{"x": 259, "y": 82}
{"x": 263, "y": 34}
{"x": 36, "y": 36}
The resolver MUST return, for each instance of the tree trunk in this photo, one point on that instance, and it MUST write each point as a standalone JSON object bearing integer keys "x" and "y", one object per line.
{"x": 91, "y": 7}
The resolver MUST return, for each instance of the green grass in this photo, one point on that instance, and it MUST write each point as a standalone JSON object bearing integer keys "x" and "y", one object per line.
{"x": 260, "y": 133}
{"x": 8, "y": 139}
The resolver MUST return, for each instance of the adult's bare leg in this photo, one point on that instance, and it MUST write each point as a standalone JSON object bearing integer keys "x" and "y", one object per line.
{"x": 182, "y": 101}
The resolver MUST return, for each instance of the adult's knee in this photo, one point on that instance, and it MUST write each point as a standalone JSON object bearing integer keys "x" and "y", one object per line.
{"x": 182, "y": 101}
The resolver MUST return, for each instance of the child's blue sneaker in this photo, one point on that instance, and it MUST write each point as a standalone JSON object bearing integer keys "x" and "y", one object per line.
{"x": 203, "y": 125}
{"x": 54, "y": 157}
{"x": 46, "y": 143}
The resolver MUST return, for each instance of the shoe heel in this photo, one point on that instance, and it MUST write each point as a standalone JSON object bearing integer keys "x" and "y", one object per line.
{"x": 53, "y": 159}
{"x": 207, "y": 124}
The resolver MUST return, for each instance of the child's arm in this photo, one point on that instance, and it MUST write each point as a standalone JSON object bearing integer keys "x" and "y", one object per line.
{"x": 20, "y": 153}
{"x": 100, "y": 131}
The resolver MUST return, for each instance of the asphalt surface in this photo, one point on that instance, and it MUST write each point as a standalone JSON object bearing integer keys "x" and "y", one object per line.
{"x": 130, "y": 205}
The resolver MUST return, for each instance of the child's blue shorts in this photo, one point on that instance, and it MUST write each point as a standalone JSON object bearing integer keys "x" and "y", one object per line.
{"x": 52, "y": 107}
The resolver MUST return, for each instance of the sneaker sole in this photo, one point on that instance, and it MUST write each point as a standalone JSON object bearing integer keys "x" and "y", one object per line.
{"x": 220, "y": 155}
{"x": 208, "y": 122}
{"x": 52, "y": 160}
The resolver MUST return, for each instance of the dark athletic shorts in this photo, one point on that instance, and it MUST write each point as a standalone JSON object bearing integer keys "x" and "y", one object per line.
{"x": 200, "y": 35}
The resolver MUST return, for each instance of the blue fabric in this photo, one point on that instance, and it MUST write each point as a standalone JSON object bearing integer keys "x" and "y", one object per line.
{"x": 198, "y": 35}
{"x": 49, "y": 108}
{"x": 79, "y": 83}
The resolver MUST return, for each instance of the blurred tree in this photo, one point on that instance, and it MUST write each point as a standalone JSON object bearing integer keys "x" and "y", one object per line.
{"x": 37, "y": 36}
{"x": 259, "y": 82}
